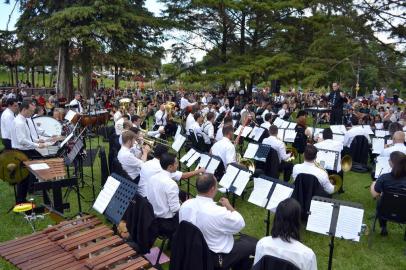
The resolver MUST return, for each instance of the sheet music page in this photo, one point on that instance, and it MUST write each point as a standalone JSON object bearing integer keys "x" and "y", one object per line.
{"x": 260, "y": 192}
{"x": 252, "y": 149}
{"x": 238, "y": 130}
{"x": 320, "y": 218}
{"x": 246, "y": 131}
{"x": 382, "y": 166}
{"x": 349, "y": 223}
{"x": 368, "y": 129}
{"x": 66, "y": 140}
{"x": 39, "y": 166}
{"x": 280, "y": 193}
{"x": 381, "y": 133}
{"x": 379, "y": 125}
{"x": 285, "y": 124}
{"x": 234, "y": 122}
{"x": 177, "y": 144}
{"x": 241, "y": 182}
{"x": 378, "y": 144}
{"x": 188, "y": 155}
{"x": 178, "y": 130}
{"x": 203, "y": 162}
{"x": 229, "y": 176}
{"x": 69, "y": 115}
{"x": 278, "y": 122}
{"x": 256, "y": 133}
{"x": 290, "y": 135}
{"x": 193, "y": 159}
{"x": 292, "y": 125}
{"x": 326, "y": 159}
{"x": 281, "y": 132}
{"x": 338, "y": 129}
{"x": 339, "y": 138}
{"x": 214, "y": 163}
{"x": 105, "y": 196}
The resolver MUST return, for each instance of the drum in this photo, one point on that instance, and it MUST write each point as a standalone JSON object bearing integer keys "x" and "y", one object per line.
{"x": 50, "y": 125}
{"x": 102, "y": 116}
{"x": 12, "y": 170}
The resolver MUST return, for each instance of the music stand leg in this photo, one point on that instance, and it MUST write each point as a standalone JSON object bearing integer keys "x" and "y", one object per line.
{"x": 233, "y": 200}
{"x": 330, "y": 256}
{"x": 91, "y": 169}
{"x": 78, "y": 195}
{"x": 268, "y": 222}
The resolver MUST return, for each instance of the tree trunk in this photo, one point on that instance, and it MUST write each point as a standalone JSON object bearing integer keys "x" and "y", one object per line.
{"x": 242, "y": 43}
{"x": 78, "y": 83}
{"x": 33, "y": 77}
{"x": 65, "y": 80}
{"x": 11, "y": 76}
{"x": 116, "y": 78}
{"x": 16, "y": 70}
{"x": 43, "y": 76}
{"x": 86, "y": 65}
{"x": 223, "y": 41}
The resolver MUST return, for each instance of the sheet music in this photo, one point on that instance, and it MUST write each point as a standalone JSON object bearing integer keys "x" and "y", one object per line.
{"x": 290, "y": 135}
{"x": 281, "y": 132}
{"x": 229, "y": 176}
{"x": 280, "y": 193}
{"x": 241, "y": 182}
{"x": 379, "y": 125}
{"x": 246, "y": 131}
{"x": 381, "y": 133}
{"x": 349, "y": 223}
{"x": 193, "y": 159}
{"x": 252, "y": 149}
{"x": 69, "y": 115}
{"x": 285, "y": 124}
{"x": 238, "y": 130}
{"x": 292, "y": 125}
{"x": 378, "y": 144}
{"x": 278, "y": 122}
{"x": 367, "y": 129}
{"x": 204, "y": 161}
{"x": 188, "y": 155}
{"x": 66, "y": 140}
{"x": 338, "y": 137}
{"x": 105, "y": 196}
{"x": 320, "y": 217}
{"x": 382, "y": 166}
{"x": 178, "y": 142}
{"x": 214, "y": 163}
{"x": 39, "y": 166}
{"x": 326, "y": 159}
{"x": 338, "y": 129}
{"x": 259, "y": 195}
{"x": 178, "y": 130}
{"x": 256, "y": 133}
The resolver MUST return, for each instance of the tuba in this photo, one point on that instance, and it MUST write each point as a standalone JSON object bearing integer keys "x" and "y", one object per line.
{"x": 335, "y": 179}
{"x": 124, "y": 104}
{"x": 247, "y": 163}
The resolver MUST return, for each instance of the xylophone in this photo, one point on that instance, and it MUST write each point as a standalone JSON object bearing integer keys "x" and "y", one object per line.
{"x": 80, "y": 244}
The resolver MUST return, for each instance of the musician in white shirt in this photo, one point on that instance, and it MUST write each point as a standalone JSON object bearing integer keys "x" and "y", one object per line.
{"x": 327, "y": 143}
{"x": 284, "y": 242}
{"x": 280, "y": 147}
{"x": 184, "y": 102}
{"x": 224, "y": 148}
{"x": 196, "y": 126}
{"x": 160, "y": 117}
{"x": 208, "y": 129}
{"x": 227, "y": 121}
{"x": 267, "y": 123}
{"x": 7, "y": 118}
{"x": 398, "y": 144}
{"x": 282, "y": 113}
{"x": 218, "y": 225}
{"x": 190, "y": 120}
{"x": 309, "y": 167}
{"x": 76, "y": 102}
{"x": 353, "y": 132}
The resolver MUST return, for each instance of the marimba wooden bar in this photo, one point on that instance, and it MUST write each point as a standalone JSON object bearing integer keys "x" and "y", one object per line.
{"x": 80, "y": 244}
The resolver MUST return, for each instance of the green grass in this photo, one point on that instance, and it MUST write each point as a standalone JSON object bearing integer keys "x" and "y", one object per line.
{"x": 385, "y": 253}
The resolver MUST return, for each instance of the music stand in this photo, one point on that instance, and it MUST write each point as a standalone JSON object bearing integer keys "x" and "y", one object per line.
{"x": 258, "y": 152}
{"x": 336, "y": 219}
{"x": 190, "y": 157}
{"x": 235, "y": 179}
{"x": 323, "y": 162}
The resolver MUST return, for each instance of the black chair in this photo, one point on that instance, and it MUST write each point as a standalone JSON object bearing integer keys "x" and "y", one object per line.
{"x": 201, "y": 145}
{"x": 391, "y": 207}
{"x": 359, "y": 150}
{"x": 118, "y": 169}
{"x": 103, "y": 166}
{"x": 271, "y": 166}
{"x": 190, "y": 250}
{"x": 307, "y": 186}
{"x": 269, "y": 262}
{"x": 114, "y": 147}
{"x": 192, "y": 137}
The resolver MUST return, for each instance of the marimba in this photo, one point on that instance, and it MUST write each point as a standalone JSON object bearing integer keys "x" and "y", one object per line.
{"x": 79, "y": 244}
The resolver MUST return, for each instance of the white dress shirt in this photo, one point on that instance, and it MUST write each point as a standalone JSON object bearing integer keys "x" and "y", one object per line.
{"x": 352, "y": 133}
{"x": 294, "y": 252}
{"x": 7, "y": 118}
{"x": 396, "y": 147}
{"x": 225, "y": 150}
{"x": 282, "y": 113}
{"x": 163, "y": 194}
{"x": 189, "y": 122}
{"x": 321, "y": 175}
{"x": 129, "y": 162}
{"x": 217, "y": 224}
{"x": 21, "y": 137}
{"x": 76, "y": 102}
{"x": 196, "y": 128}
{"x": 160, "y": 118}
{"x": 184, "y": 103}
{"x": 117, "y": 115}
{"x": 331, "y": 145}
{"x": 278, "y": 145}
{"x": 219, "y": 134}
{"x": 149, "y": 169}
{"x": 266, "y": 125}
{"x": 208, "y": 132}
{"x": 119, "y": 126}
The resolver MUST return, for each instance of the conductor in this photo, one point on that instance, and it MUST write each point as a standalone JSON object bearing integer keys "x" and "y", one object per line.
{"x": 337, "y": 99}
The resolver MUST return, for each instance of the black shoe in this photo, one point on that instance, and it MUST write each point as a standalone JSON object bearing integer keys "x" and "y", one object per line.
{"x": 384, "y": 232}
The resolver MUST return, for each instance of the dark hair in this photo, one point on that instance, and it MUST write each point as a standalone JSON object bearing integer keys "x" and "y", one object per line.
{"x": 286, "y": 223}
{"x": 273, "y": 130}
{"x": 196, "y": 115}
{"x": 126, "y": 116}
{"x": 398, "y": 160}
{"x": 301, "y": 113}
{"x": 205, "y": 182}
{"x": 268, "y": 116}
{"x": 11, "y": 101}
{"x": 327, "y": 134}
{"x": 228, "y": 119}
{"x": 166, "y": 160}
{"x": 210, "y": 116}
{"x": 135, "y": 118}
{"x": 310, "y": 153}
{"x": 159, "y": 150}
{"x": 227, "y": 129}
{"x": 135, "y": 130}
{"x": 393, "y": 127}
{"x": 25, "y": 105}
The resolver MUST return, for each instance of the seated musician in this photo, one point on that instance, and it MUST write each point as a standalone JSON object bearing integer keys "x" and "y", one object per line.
{"x": 160, "y": 117}
{"x": 224, "y": 148}
{"x": 309, "y": 167}
{"x": 196, "y": 126}
{"x": 350, "y": 117}
{"x": 228, "y": 121}
{"x": 76, "y": 102}
{"x": 119, "y": 124}
{"x": 190, "y": 120}
{"x": 208, "y": 129}
{"x": 284, "y": 112}
{"x": 280, "y": 147}
{"x": 398, "y": 144}
{"x": 284, "y": 242}
{"x": 353, "y": 132}
{"x": 153, "y": 167}
{"x": 130, "y": 163}
{"x": 395, "y": 180}
{"x": 268, "y": 121}
{"x": 184, "y": 102}
{"x": 302, "y": 132}
{"x": 218, "y": 225}
{"x": 327, "y": 142}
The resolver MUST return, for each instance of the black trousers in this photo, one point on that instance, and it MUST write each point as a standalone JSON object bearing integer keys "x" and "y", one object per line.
{"x": 239, "y": 256}
{"x": 7, "y": 144}
{"x": 336, "y": 116}
{"x": 23, "y": 186}
{"x": 167, "y": 226}
{"x": 287, "y": 168}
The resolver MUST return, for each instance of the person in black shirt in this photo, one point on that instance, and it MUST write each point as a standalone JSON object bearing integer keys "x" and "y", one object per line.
{"x": 337, "y": 99}
{"x": 395, "y": 180}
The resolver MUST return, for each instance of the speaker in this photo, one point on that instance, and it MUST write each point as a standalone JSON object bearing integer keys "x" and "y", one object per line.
{"x": 275, "y": 86}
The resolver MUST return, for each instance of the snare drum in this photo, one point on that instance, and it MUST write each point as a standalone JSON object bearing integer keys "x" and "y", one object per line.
{"x": 50, "y": 125}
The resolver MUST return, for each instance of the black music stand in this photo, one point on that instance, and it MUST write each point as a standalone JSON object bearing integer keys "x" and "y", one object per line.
{"x": 336, "y": 155}
{"x": 229, "y": 181}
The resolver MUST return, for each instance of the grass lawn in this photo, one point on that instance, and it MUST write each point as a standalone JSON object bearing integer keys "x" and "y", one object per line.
{"x": 385, "y": 253}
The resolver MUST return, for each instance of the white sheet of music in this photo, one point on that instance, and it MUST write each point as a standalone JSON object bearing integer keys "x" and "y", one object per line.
{"x": 246, "y": 131}
{"x": 104, "y": 197}
{"x": 241, "y": 182}
{"x": 338, "y": 137}
{"x": 378, "y": 144}
{"x": 368, "y": 129}
{"x": 188, "y": 155}
{"x": 290, "y": 135}
{"x": 379, "y": 125}
{"x": 285, "y": 124}
{"x": 178, "y": 130}
{"x": 193, "y": 159}
{"x": 204, "y": 161}
{"x": 278, "y": 122}
{"x": 326, "y": 159}
{"x": 280, "y": 193}
{"x": 381, "y": 133}
{"x": 382, "y": 166}
{"x": 256, "y": 133}
{"x": 69, "y": 115}
{"x": 39, "y": 166}
{"x": 338, "y": 129}
{"x": 320, "y": 217}
{"x": 178, "y": 142}
{"x": 252, "y": 149}
{"x": 259, "y": 195}
{"x": 349, "y": 223}
{"x": 214, "y": 163}
{"x": 292, "y": 125}
{"x": 280, "y": 134}
{"x": 229, "y": 176}
{"x": 238, "y": 130}
{"x": 66, "y": 140}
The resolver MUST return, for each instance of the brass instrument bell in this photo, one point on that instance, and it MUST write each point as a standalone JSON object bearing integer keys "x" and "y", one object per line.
{"x": 346, "y": 163}
{"x": 125, "y": 103}
{"x": 248, "y": 163}
{"x": 293, "y": 152}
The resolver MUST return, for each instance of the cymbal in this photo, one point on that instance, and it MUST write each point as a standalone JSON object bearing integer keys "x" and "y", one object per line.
{"x": 12, "y": 170}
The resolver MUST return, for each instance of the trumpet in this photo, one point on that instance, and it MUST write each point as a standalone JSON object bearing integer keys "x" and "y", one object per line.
{"x": 152, "y": 141}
